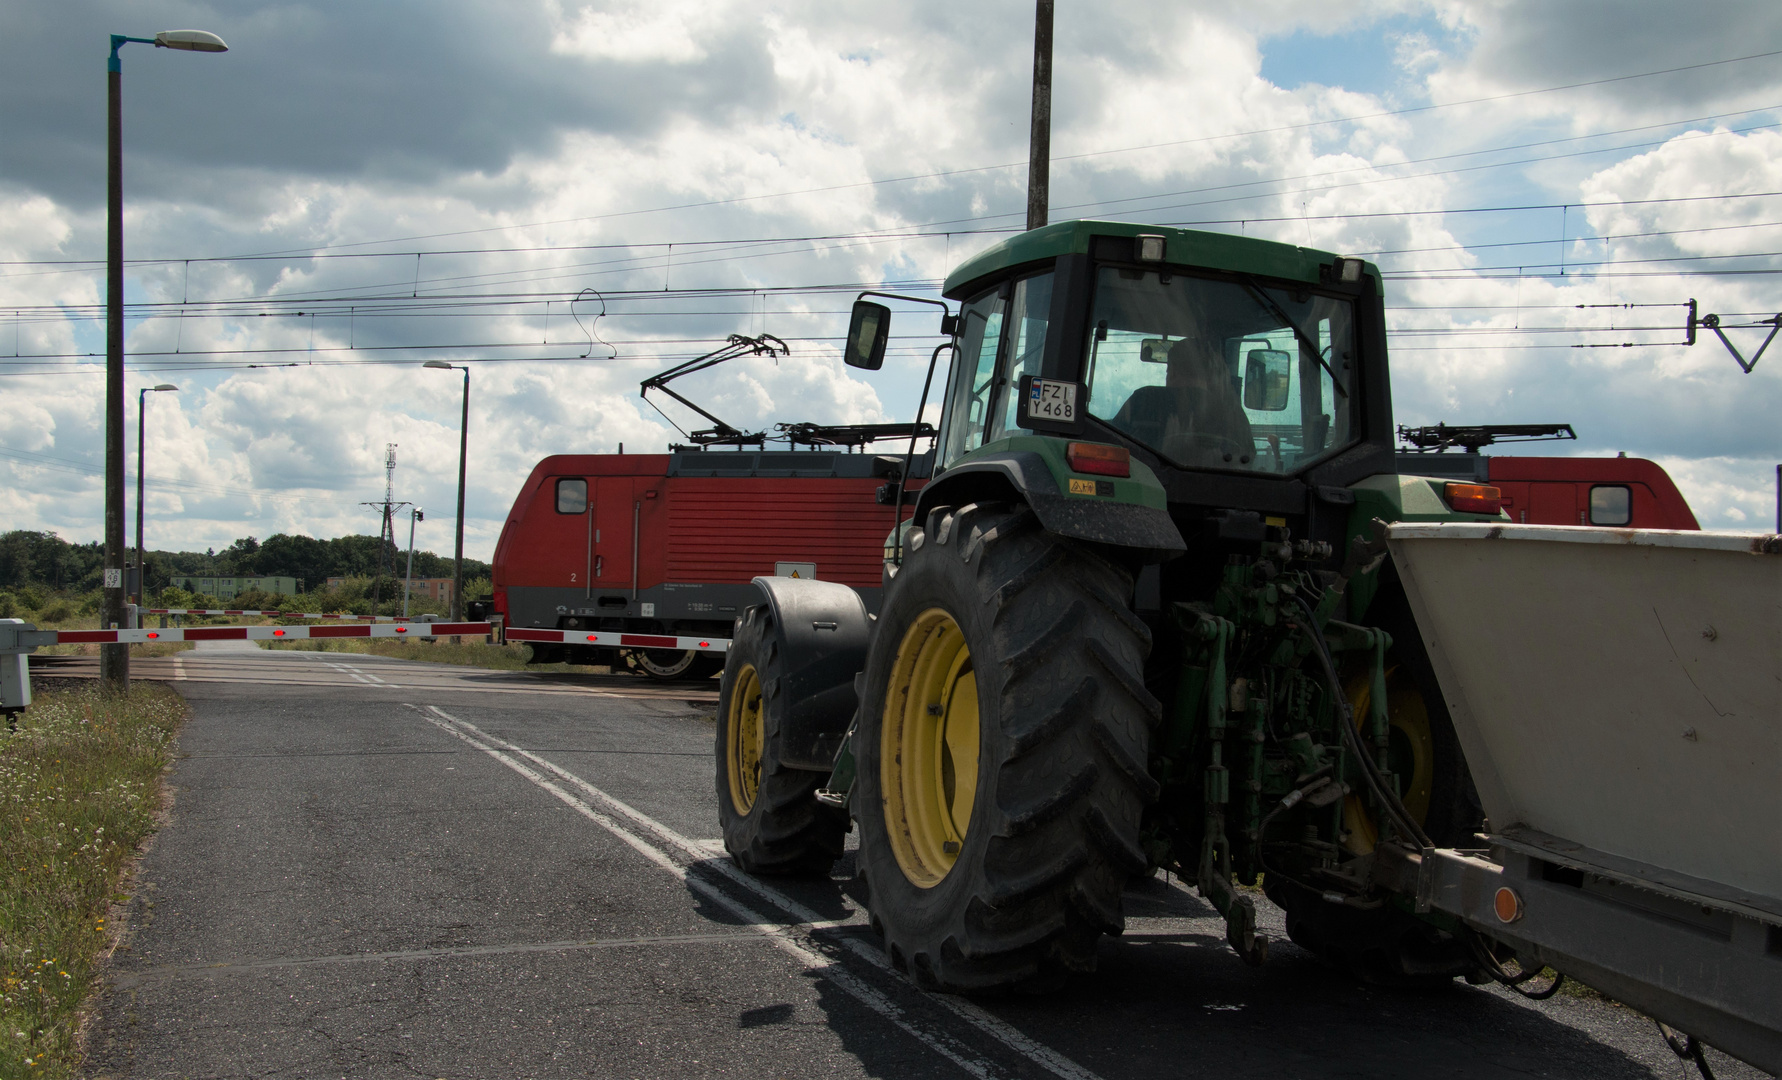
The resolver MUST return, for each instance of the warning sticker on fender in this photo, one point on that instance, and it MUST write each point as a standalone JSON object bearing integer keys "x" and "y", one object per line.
{"x": 1104, "y": 488}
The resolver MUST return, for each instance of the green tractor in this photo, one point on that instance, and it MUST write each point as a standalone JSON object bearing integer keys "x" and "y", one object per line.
{"x": 1141, "y": 617}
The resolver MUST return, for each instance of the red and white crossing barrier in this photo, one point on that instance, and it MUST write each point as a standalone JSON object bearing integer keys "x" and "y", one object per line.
{"x": 271, "y": 633}
{"x": 615, "y": 638}
{"x": 276, "y": 614}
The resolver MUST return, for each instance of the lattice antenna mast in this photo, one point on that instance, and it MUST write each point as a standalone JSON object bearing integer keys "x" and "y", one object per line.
{"x": 386, "y": 535}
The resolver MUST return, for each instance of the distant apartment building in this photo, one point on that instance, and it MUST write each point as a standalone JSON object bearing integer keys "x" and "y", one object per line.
{"x": 433, "y": 588}
{"x": 226, "y": 588}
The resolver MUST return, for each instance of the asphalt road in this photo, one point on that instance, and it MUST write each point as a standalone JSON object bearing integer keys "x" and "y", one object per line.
{"x": 390, "y": 869}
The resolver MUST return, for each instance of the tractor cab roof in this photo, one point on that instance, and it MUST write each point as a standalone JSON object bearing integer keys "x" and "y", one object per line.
{"x": 1184, "y": 247}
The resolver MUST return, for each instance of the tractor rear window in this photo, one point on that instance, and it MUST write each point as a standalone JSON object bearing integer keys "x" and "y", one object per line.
{"x": 572, "y": 496}
{"x": 1221, "y": 374}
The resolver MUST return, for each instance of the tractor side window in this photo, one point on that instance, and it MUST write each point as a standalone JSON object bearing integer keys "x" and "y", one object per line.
{"x": 1222, "y": 374}
{"x": 974, "y": 376}
{"x": 572, "y": 496}
{"x": 1028, "y": 312}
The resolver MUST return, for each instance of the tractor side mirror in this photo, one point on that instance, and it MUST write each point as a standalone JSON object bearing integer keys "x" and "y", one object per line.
{"x": 868, "y": 330}
{"x": 1267, "y": 377}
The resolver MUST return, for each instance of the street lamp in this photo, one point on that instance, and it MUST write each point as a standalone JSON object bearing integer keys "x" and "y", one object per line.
{"x": 463, "y": 445}
{"x": 141, "y": 465}
{"x": 114, "y": 660}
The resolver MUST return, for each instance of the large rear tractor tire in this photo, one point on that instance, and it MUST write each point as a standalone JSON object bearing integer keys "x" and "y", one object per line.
{"x": 1002, "y": 751}
{"x": 771, "y": 819}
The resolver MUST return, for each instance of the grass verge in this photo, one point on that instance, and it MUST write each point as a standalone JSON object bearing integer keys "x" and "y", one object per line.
{"x": 480, "y": 654}
{"x": 80, "y": 783}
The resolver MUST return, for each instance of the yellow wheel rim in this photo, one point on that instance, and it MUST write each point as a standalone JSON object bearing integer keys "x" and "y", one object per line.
{"x": 745, "y": 739}
{"x": 1410, "y": 750}
{"x": 928, "y": 748}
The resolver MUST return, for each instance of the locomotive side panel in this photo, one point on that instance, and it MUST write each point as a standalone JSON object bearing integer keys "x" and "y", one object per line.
{"x": 732, "y": 530}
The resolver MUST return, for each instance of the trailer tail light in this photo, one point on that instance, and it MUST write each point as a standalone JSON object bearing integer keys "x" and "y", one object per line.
{"x": 1103, "y": 460}
{"x": 1474, "y": 498}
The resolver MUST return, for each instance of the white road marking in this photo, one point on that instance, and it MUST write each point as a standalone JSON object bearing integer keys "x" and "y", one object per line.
{"x": 968, "y": 1011}
{"x": 939, "y": 1042}
{"x": 231, "y": 669}
{"x": 220, "y": 967}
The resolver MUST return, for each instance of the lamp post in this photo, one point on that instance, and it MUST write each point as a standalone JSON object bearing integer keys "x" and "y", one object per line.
{"x": 463, "y": 445}
{"x": 114, "y": 660}
{"x": 415, "y": 514}
{"x": 141, "y": 466}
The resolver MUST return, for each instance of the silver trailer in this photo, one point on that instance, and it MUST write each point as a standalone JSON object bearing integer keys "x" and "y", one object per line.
{"x": 1618, "y": 696}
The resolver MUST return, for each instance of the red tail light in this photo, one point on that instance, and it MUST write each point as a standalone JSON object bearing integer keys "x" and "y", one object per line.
{"x": 1474, "y": 498}
{"x": 1099, "y": 459}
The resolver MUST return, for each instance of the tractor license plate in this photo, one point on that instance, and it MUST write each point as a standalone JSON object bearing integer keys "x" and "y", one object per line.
{"x": 1051, "y": 399}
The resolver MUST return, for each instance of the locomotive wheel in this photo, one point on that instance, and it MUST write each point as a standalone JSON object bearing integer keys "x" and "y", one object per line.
{"x": 668, "y": 664}
{"x": 771, "y": 820}
{"x": 1002, "y": 748}
{"x": 663, "y": 663}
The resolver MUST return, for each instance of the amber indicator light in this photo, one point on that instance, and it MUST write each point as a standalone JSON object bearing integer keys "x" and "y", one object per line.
{"x": 1507, "y": 904}
{"x": 1474, "y": 498}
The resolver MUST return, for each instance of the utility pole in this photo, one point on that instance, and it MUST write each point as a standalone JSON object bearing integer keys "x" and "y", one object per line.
{"x": 114, "y": 660}
{"x": 1039, "y": 153}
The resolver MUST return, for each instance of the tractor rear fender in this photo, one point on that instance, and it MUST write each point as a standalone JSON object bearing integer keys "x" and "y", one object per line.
{"x": 1026, "y": 476}
{"x": 821, "y": 630}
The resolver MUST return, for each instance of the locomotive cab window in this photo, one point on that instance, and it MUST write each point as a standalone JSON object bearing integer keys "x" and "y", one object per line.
{"x": 572, "y": 496}
{"x": 1610, "y": 504}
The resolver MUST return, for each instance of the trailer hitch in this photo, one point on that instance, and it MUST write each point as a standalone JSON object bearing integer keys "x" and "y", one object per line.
{"x": 1213, "y": 878}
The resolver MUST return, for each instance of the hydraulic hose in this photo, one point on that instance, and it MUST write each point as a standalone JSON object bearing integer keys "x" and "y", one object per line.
{"x": 1495, "y": 968}
{"x": 1376, "y": 783}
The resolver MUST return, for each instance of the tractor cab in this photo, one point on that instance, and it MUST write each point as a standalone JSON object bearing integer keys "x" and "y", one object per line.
{"x": 1165, "y": 390}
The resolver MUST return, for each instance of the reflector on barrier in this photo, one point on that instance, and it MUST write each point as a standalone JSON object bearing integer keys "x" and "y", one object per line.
{"x": 271, "y": 633}
{"x": 616, "y": 639}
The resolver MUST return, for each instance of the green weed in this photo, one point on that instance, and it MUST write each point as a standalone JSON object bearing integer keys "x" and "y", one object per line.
{"x": 80, "y": 782}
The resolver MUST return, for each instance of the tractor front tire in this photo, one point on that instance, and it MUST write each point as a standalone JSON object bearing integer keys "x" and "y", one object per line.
{"x": 771, "y": 819}
{"x": 1002, "y": 746}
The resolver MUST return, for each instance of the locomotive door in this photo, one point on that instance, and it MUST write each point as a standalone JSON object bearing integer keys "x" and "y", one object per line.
{"x": 612, "y": 535}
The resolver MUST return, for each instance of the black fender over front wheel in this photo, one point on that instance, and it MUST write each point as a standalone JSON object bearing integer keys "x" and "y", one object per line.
{"x": 768, "y": 810}
{"x": 1002, "y": 748}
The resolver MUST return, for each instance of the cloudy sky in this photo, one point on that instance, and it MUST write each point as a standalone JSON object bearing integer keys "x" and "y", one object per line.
{"x": 354, "y": 189}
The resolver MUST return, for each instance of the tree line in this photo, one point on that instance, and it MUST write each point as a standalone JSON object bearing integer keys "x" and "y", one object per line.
{"x": 45, "y": 561}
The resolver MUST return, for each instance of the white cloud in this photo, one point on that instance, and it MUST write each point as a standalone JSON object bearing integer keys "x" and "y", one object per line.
{"x": 579, "y": 116}
{"x": 663, "y": 31}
